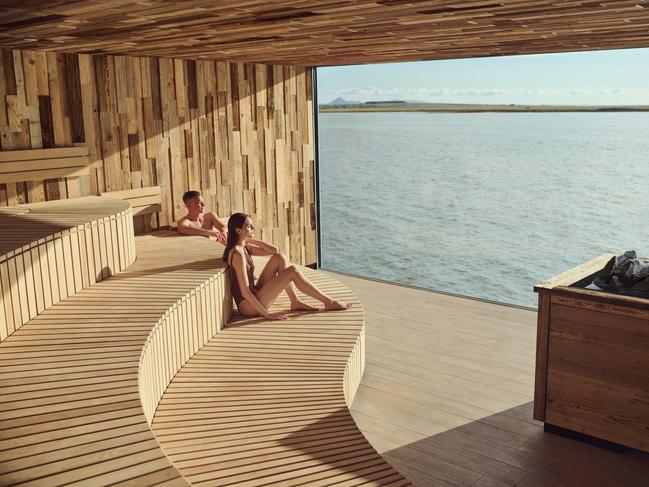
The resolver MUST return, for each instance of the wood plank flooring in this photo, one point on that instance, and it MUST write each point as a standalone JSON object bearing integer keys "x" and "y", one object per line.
{"x": 262, "y": 404}
{"x": 447, "y": 397}
{"x": 70, "y": 410}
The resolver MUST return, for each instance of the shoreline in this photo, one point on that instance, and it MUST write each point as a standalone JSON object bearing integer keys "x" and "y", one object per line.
{"x": 469, "y": 108}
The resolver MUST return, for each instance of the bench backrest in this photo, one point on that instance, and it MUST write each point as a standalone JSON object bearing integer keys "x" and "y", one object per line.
{"x": 144, "y": 201}
{"x": 40, "y": 164}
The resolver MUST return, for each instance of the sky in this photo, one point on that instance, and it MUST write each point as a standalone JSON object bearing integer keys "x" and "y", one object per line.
{"x": 615, "y": 77}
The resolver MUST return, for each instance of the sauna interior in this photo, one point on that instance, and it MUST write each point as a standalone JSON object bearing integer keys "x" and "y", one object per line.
{"x": 122, "y": 358}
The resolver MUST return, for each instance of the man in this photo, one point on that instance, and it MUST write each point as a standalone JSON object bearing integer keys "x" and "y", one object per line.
{"x": 199, "y": 222}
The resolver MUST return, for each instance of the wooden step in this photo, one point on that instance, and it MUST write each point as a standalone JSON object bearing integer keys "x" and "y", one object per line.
{"x": 77, "y": 381}
{"x": 266, "y": 403}
{"x": 51, "y": 250}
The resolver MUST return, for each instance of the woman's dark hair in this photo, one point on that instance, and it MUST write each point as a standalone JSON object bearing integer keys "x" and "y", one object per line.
{"x": 237, "y": 220}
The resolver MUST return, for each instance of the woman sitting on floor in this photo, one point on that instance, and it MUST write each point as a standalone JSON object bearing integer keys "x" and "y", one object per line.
{"x": 254, "y": 299}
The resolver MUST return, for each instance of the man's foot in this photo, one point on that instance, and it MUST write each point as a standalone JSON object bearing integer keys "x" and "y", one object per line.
{"x": 302, "y": 306}
{"x": 337, "y": 305}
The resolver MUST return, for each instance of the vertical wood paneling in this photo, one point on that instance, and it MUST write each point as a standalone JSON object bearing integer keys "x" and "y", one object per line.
{"x": 240, "y": 133}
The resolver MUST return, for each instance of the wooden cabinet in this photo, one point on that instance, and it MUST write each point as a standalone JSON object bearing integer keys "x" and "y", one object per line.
{"x": 592, "y": 367}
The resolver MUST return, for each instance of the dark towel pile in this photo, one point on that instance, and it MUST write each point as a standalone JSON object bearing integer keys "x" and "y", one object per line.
{"x": 624, "y": 272}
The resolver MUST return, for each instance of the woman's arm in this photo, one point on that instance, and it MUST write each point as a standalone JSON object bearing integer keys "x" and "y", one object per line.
{"x": 258, "y": 247}
{"x": 239, "y": 264}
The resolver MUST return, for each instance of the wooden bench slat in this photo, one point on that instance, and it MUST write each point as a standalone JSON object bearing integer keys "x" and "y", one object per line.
{"x": 35, "y": 154}
{"x": 167, "y": 477}
{"x": 129, "y": 194}
{"x": 97, "y": 468}
{"x": 42, "y": 165}
{"x": 146, "y": 209}
{"x": 144, "y": 201}
{"x": 35, "y": 438}
{"x": 57, "y": 452}
{"x": 65, "y": 172}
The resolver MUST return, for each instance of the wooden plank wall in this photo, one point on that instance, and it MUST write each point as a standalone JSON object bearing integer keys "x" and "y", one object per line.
{"x": 240, "y": 133}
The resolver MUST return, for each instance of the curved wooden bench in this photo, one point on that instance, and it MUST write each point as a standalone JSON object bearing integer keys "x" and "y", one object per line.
{"x": 266, "y": 403}
{"x": 52, "y": 250}
{"x": 81, "y": 381}
{"x": 71, "y": 402}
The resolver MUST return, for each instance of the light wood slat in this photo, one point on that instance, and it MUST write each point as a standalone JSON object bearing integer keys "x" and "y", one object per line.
{"x": 41, "y": 175}
{"x": 267, "y": 403}
{"x": 133, "y": 193}
{"x": 66, "y": 163}
{"x": 159, "y": 127}
{"x": 144, "y": 201}
{"x": 64, "y": 153}
{"x": 165, "y": 477}
{"x": 329, "y": 32}
{"x": 4, "y": 322}
{"x": 41, "y": 164}
{"x": 576, "y": 274}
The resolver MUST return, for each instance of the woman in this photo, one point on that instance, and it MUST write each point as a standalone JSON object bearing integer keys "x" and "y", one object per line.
{"x": 278, "y": 275}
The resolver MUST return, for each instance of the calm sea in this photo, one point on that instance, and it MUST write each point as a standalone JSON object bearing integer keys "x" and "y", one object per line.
{"x": 483, "y": 205}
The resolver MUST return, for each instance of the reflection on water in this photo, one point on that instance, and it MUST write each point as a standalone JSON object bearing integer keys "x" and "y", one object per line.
{"x": 484, "y": 205}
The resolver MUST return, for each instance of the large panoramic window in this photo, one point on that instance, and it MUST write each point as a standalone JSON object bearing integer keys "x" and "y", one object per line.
{"x": 483, "y": 177}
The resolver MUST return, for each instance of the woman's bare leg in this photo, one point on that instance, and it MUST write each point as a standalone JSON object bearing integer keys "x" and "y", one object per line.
{"x": 272, "y": 288}
{"x": 274, "y": 266}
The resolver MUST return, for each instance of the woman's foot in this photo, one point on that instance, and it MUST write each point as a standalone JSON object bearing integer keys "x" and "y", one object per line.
{"x": 337, "y": 305}
{"x": 302, "y": 306}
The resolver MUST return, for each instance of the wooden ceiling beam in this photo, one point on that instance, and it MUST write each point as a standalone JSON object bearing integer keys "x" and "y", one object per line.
{"x": 325, "y": 32}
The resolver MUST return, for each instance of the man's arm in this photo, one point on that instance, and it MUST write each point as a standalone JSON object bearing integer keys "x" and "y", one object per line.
{"x": 186, "y": 228}
{"x": 218, "y": 224}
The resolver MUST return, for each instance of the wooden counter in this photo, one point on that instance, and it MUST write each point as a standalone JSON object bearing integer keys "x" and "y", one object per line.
{"x": 592, "y": 359}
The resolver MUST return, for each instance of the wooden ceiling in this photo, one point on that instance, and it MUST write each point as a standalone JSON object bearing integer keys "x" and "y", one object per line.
{"x": 326, "y": 32}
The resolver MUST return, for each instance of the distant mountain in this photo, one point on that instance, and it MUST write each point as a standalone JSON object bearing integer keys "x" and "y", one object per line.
{"x": 342, "y": 101}
{"x": 384, "y": 102}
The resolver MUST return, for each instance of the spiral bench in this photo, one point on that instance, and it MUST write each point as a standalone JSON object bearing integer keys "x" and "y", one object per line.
{"x": 49, "y": 251}
{"x": 78, "y": 379}
{"x": 266, "y": 403}
{"x": 83, "y": 375}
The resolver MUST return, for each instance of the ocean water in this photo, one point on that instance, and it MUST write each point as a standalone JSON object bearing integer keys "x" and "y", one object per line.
{"x": 483, "y": 205}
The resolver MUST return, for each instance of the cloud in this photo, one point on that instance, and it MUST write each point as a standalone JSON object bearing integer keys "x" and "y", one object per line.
{"x": 367, "y": 93}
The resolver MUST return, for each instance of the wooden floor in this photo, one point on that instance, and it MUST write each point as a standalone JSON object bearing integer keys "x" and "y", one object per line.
{"x": 70, "y": 410}
{"x": 262, "y": 404}
{"x": 447, "y": 397}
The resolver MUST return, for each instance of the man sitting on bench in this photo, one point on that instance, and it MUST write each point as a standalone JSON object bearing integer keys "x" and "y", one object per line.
{"x": 199, "y": 222}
